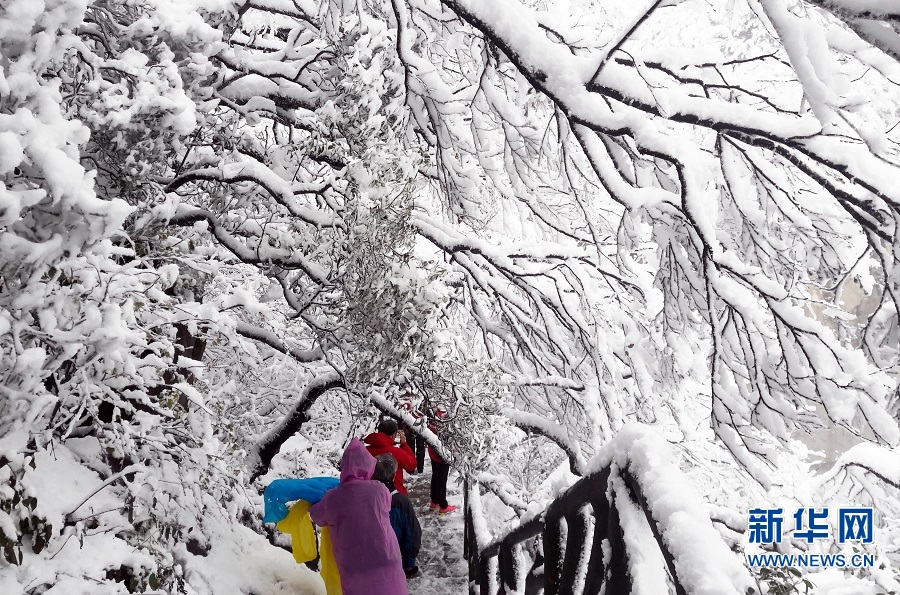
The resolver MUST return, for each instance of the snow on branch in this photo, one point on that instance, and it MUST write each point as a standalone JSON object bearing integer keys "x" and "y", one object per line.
{"x": 260, "y": 255}
{"x": 530, "y": 422}
{"x": 626, "y": 119}
{"x": 886, "y": 10}
{"x": 378, "y": 399}
{"x": 501, "y": 488}
{"x": 267, "y": 446}
{"x": 272, "y": 340}
{"x": 881, "y": 462}
{"x": 300, "y": 9}
{"x": 254, "y": 171}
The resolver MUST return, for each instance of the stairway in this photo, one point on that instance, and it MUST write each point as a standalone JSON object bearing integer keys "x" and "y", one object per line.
{"x": 443, "y": 569}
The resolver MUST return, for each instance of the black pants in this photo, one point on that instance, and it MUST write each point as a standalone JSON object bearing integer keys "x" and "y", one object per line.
{"x": 439, "y": 472}
{"x": 419, "y": 447}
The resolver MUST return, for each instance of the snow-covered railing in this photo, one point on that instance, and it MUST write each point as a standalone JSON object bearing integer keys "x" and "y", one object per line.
{"x": 562, "y": 556}
{"x": 631, "y": 525}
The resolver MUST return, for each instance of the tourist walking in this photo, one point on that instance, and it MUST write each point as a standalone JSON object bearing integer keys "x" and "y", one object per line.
{"x": 357, "y": 513}
{"x": 440, "y": 471}
{"x": 403, "y": 516}
{"x": 382, "y": 442}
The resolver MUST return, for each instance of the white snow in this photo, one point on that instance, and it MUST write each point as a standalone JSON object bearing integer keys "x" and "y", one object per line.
{"x": 704, "y": 564}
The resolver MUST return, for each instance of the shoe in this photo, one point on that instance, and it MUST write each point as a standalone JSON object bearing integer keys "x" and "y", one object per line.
{"x": 446, "y": 509}
{"x": 434, "y": 505}
{"x": 412, "y": 572}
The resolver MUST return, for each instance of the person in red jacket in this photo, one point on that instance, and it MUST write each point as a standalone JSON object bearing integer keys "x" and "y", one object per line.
{"x": 382, "y": 442}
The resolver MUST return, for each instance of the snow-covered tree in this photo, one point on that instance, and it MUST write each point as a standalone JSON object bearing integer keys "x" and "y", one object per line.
{"x": 545, "y": 218}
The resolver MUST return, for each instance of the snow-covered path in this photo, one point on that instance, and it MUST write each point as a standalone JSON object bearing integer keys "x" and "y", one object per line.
{"x": 441, "y": 561}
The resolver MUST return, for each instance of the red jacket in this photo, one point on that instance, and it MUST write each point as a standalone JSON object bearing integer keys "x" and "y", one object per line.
{"x": 379, "y": 444}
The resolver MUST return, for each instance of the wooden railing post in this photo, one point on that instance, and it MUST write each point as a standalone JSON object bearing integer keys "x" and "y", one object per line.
{"x": 563, "y": 559}
{"x": 618, "y": 581}
{"x": 472, "y": 554}
{"x": 552, "y": 556}
{"x": 467, "y": 521}
{"x": 635, "y": 489}
{"x": 470, "y": 543}
{"x": 577, "y": 522}
{"x": 484, "y": 575}
{"x": 507, "y": 567}
{"x": 535, "y": 582}
{"x": 596, "y": 571}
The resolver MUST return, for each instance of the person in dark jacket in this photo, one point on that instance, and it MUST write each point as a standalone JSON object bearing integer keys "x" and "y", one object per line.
{"x": 440, "y": 470}
{"x": 417, "y": 445}
{"x": 416, "y": 440}
{"x": 382, "y": 442}
{"x": 403, "y": 516}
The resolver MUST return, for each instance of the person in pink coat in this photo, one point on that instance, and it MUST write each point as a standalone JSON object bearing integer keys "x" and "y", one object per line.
{"x": 357, "y": 513}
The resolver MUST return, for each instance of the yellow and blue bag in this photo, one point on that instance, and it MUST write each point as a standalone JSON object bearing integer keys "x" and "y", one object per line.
{"x": 296, "y": 522}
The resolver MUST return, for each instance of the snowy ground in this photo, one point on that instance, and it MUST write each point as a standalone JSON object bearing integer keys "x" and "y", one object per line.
{"x": 441, "y": 561}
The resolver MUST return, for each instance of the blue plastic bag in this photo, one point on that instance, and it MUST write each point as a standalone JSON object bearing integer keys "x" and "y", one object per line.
{"x": 281, "y": 491}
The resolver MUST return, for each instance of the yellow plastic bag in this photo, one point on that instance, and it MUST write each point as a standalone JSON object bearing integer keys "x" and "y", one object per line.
{"x": 328, "y": 567}
{"x": 299, "y": 526}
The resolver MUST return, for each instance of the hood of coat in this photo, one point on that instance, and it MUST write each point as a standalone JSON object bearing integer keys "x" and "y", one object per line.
{"x": 379, "y": 440}
{"x": 356, "y": 463}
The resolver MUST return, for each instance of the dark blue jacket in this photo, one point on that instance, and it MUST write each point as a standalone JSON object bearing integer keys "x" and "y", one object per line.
{"x": 405, "y": 525}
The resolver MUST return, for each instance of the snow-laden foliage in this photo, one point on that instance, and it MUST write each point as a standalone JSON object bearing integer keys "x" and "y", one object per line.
{"x": 544, "y": 218}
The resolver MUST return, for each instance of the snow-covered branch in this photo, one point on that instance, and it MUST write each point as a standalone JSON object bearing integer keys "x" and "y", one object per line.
{"x": 267, "y": 446}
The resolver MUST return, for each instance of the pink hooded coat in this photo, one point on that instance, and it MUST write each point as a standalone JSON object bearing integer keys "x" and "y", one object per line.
{"x": 357, "y": 514}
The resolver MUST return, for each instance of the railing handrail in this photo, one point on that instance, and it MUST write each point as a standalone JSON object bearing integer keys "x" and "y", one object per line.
{"x": 615, "y": 486}
{"x": 590, "y": 489}
{"x": 557, "y": 509}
